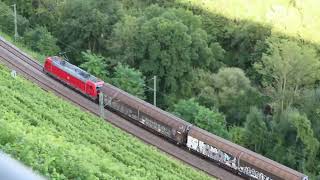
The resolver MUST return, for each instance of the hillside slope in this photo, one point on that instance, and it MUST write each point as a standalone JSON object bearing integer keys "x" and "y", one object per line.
{"x": 62, "y": 142}
{"x": 295, "y": 18}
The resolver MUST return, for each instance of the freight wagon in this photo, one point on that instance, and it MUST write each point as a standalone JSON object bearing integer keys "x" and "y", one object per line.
{"x": 145, "y": 114}
{"x": 238, "y": 159}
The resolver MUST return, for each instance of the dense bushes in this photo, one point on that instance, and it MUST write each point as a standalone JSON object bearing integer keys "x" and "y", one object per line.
{"x": 40, "y": 40}
{"x": 207, "y": 119}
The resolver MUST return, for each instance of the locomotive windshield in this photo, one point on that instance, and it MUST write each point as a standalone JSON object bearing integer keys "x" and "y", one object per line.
{"x": 99, "y": 86}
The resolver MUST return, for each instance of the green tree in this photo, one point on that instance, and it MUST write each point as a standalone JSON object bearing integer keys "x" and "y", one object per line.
{"x": 203, "y": 87}
{"x": 306, "y": 136}
{"x": 287, "y": 69}
{"x": 234, "y": 94}
{"x": 124, "y": 40}
{"x": 95, "y": 64}
{"x": 255, "y": 130}
{"x": 168, "y": 43}
{"x": 292, "y": 142}
{"x": 210, "y": 120}
{"x": 238, "y": 135}
{"x": 187, "y": 109}
{"x": 46, "y": 13}
{"x": 129, "y": 79}
{"x": 24, "y": 7}
{"x": 39, "y": 39}
{"x": 6, "y": 20}
{"x": 310, "y": 104}
{"x": 86, "y": 25}
{"x": 244, "y": 42}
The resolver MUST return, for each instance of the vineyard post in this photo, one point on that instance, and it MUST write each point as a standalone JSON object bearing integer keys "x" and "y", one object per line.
{"x": 13, "y": 73}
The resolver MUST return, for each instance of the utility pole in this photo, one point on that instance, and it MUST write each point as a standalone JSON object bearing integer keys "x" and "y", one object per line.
{"x": 15, "y": 23}
{"x": 155, "y": 90}
{"x": 101, "y": 105}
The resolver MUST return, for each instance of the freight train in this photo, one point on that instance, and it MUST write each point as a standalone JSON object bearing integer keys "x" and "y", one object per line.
{"x": 226, "y": 154}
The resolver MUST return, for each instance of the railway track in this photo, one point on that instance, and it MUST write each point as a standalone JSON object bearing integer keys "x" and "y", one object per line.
{"x": 32, "y": 70}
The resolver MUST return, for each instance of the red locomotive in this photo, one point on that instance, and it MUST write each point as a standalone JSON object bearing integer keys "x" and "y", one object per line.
{"x": 73, "y": 76}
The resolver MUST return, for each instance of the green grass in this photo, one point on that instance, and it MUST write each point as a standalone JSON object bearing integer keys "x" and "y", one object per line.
{"x": 298, "y": 18}
{"x": 60, "y": 141}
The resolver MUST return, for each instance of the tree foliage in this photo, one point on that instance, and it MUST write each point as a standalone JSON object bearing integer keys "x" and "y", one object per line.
{"x": 167, "y": 43}
{"x": 288, "y": 68}
{"x": 95, "y": 64}
{"x": 255, "y": 130}
{"x": 243, "y": 44}
{"x": 7, "y": 20}
{"x": 234, "y": 94}
{"x": 305, "y": 134}
{"x": 86, "y": 24}
{"x": 210, "y": 120}
{"x": 310, "y": 104}
{"x": 40, "y": 39}
{"x": 25, "y": 7}
{"x": 294, "y": 141}
{"x": 237, "y": 135}
{"x": 129, "y": 80}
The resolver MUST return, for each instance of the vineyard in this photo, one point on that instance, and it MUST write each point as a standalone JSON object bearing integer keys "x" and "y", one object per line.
{"x": 62, "y": 142}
